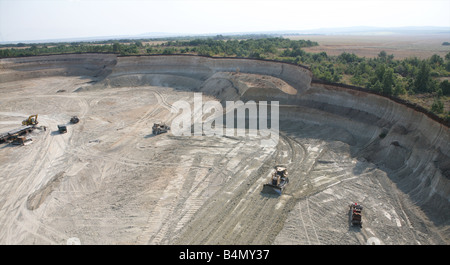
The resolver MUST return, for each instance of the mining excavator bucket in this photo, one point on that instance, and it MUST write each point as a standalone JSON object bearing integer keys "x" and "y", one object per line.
{"x": 272, "y": 189}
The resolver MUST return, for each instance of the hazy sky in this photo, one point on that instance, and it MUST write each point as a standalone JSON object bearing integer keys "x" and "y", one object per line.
{"x": 57, "y": 19}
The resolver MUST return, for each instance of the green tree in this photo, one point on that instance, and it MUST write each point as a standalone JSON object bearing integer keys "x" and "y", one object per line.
{"x": 116, "y": 47}
{"x": 399, "y": 89}
{"x": 382, "y": 55}
{"x": 379, "y": 72}
{"x": 445, "y": 87}
{"x": 423, "y": 82}
{"x": 378, "y": 87}
{"x": 437, "y": 106}
{"x": 388, "y": 81}
{"x": 169, "y": 50}
{"x": 139, "y": 44}
{"x": 436, "y": 60}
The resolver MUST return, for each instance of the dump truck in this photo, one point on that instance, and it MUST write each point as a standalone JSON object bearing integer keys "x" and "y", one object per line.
{"x": 356, "y": 214}
{"x": 159, "y": 128}
{"x": 278, "y": 181}
{"x": 32, "y": 120}
{"x": 62, "y": 128}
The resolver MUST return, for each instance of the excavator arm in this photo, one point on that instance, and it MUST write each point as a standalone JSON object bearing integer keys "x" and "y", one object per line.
{"x": 32, "y": 120}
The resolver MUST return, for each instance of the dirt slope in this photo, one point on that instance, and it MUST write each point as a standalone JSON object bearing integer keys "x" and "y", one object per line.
{"x": 110, "y": 181}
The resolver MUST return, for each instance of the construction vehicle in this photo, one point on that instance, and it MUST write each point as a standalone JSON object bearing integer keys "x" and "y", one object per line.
{"x": 9, "y": 136}
{"x": 17, "y": 136}
{"x": 355, "y": 214}
{"x": 74, "y": 120}
{"x": 278, "y": 181}
{"x": 62, "y": 128}
{"x": 159, "y": 128}
{"x": 32, "y": 120}
{"x": 21, "y": 140}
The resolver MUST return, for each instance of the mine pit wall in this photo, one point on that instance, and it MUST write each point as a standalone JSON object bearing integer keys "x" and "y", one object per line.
{"x": 414, "y": 150}
{"x": 94, "y": 66}
{"x": 196, "y": 68}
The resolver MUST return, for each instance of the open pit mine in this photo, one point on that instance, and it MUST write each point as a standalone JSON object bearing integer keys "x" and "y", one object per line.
{"x": 108, "y": 179}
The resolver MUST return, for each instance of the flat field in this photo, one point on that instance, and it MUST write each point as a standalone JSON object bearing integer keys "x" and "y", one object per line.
{"x": 401, "y": 46}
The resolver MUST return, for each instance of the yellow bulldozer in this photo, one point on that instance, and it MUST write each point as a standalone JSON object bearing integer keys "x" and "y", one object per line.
{"x": 277, "y": 182}
{"x": 32, "y": 120}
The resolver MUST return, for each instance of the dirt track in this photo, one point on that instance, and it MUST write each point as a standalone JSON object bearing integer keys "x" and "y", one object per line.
{"x": 110, "y": 181}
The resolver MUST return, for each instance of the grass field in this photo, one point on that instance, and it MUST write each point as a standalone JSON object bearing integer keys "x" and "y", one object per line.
{"x": 401, "y": 46}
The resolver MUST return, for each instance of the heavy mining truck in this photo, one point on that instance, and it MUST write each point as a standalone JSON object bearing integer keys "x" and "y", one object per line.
{"x": 62, "y": 128}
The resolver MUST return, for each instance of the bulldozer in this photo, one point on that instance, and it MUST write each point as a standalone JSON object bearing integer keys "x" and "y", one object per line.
{"x": 159, "y": 128}
{"x": 355, "y": 214}
{"x": 32, "y": 120}
{"x": 74, "y": 120}
{"x": 278, "y": 181}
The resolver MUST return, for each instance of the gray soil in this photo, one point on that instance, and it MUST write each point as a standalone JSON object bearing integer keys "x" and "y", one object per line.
{"x": 109, "y": 180}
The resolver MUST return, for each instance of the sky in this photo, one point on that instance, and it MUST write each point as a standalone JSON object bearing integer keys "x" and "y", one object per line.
{"x": 22, "y": 20}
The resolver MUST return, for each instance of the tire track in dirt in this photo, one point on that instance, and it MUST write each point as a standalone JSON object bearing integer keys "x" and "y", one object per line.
{"x": 184, "y": 206}
{"x": 141, "y": 122}
{"x": 191, "y": 193}
{"x": 159, "y": 219}
{"x": 48, "y": 150}
{"x": 163, "y": 101}
{"x": 311, "y": 182}
{"x": 192, "y": 182}
{"x": 240, "y": 213}
{"x": 46, "y": 153}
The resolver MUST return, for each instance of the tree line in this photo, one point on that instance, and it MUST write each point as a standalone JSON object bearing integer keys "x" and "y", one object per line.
{"x": 383, "y": 74}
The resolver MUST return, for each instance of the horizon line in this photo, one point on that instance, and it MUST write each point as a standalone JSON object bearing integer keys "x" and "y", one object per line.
{"x": 351, "y": 30}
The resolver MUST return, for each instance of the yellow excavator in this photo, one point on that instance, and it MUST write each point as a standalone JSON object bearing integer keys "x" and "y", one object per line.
{"x": 32, "y": 120}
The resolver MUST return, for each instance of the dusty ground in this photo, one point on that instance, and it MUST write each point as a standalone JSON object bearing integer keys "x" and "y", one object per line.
{"x": 110, "y": 181}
